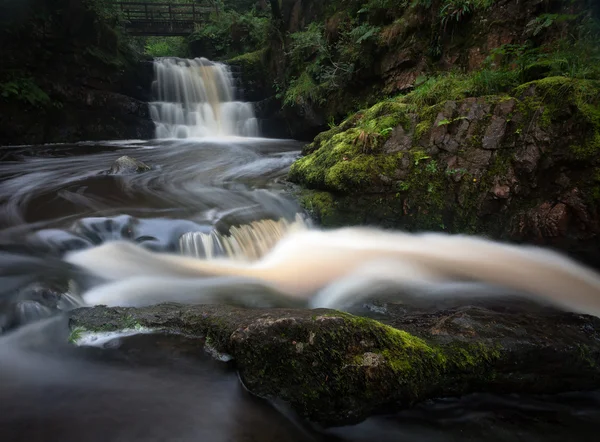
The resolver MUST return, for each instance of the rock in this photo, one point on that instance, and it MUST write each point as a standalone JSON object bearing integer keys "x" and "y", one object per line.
{"x": 494, "y": 133}
{"x": 505, "y": 167}
{"x": 334, "y": 368}
{"x": 126, "y": 165}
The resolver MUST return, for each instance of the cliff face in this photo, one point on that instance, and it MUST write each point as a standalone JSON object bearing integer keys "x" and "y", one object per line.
{"x": 67, "y": 75}
{"x": 507, "y": 146}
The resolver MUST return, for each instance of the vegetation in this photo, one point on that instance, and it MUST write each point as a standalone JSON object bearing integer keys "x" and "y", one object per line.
{"x": 230, "y": 33}
{"x": 25, "y": 89}
{"x": 163, "y": 46}
{"x": 554, "y": 81}
{"x": 336, "y": 53}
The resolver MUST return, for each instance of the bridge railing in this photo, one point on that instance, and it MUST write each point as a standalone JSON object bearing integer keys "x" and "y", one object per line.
{"x": 164, "y": 12}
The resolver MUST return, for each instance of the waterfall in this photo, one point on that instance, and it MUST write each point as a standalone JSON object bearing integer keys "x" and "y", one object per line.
{"x": 246, "y": 242}
{"x": 196, "y": 98}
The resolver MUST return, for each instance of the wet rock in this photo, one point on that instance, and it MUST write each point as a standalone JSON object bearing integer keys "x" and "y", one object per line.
{"x": 334, "y": 368}
{"x": 126, "y": 165}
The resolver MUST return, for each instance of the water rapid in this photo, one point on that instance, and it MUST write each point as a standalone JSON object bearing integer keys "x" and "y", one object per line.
{"x": 197, "y": 98}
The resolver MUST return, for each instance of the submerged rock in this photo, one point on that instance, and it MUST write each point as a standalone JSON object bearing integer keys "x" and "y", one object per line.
{"x": 126, "y": 165}
{"x": 334, "y": 368}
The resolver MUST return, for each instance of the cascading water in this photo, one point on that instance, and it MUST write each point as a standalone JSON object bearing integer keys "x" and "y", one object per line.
{"x": 196, "y": 98}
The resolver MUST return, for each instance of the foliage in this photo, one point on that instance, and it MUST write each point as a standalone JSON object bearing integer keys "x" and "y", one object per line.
{"x": 231, "y": 33}
{"x": 388, "y": 8}
{"x": 576, "y": 56}
{"x": 329, "y": 65}
{"x": 25, "y": 89}
{"x": 105, "y": 9}
{"x": 166, "y": 47}
{"x": 303, "y": 89}
{"x": 456, "y": 10}
{"x": 436, "y": 89}
{"x": 322, "y": 59}
{"x": 545, "y": 21}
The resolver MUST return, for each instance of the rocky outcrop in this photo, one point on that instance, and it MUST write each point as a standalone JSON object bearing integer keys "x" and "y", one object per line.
{"x": 521, "y": 167}
{"x": 334, "y": 368}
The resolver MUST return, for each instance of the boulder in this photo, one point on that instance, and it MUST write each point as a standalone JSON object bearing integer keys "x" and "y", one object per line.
{"x": 335, "y": 368}
{"x": 126, "y": 165}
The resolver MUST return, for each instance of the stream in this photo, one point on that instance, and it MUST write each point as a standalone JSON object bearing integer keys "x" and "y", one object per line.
{"x": 209, "y": 171}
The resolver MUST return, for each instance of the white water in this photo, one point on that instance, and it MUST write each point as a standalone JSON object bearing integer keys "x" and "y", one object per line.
{"x": 196, "y": 99}
{"x": 337, "y": 268}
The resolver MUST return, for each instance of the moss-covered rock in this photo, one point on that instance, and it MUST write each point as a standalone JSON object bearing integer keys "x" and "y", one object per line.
{"x": 335, "y": 368}
{"x": 351, "y": 158}
{"x": 514, "y": 166}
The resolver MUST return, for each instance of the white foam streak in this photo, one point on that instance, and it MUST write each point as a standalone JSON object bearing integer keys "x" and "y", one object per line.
{"x": 195, "y": 99}
{"x": 336, "y": 268}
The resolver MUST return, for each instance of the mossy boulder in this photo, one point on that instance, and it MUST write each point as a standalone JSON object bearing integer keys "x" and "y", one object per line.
{"x": 334, "y": 368}
{"x": 521, "y": 166}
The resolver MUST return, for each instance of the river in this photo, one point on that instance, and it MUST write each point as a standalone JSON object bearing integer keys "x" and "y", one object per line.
{"x": 209, "y": 171}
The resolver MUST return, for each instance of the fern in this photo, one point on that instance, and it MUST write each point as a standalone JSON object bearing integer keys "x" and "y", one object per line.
{"x": 544, "y": 21}
{"x": 25, "y": 89}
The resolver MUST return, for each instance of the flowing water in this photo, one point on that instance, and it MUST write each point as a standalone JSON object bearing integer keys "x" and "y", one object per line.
{"x": 214, "y": 188}
{"x": 196, "y": 98}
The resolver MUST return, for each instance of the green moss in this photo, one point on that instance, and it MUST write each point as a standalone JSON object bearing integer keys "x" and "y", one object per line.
{"x": 435, "y": 90}
{"x": 547, "y": 99}
{"x": 399, "y": 363}
{"x": 130, "y": 322}
{"x": 422, "y": 128}
{"x": 348, "y": 158}
{"x": 251, "y": 58}
{"x": 320, "y": 205}
{"x": 588, "y": 149}
{"x": 385, "y": 108}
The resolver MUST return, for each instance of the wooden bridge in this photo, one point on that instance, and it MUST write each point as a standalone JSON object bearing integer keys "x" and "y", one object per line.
{"x": 164, "y": 19}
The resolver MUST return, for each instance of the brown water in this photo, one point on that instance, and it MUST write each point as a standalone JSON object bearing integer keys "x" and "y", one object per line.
{"x": 150, "y": 388}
